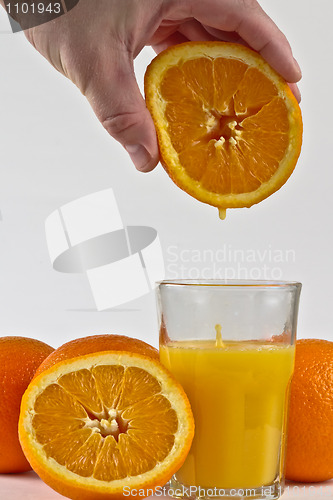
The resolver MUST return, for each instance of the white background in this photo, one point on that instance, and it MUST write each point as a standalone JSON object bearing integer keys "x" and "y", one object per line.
{"x": 53, "y": 151}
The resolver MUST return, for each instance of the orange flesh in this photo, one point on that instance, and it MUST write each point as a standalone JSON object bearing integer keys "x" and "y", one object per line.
{"x": 109, "y": 422}
{"x": 227, "y": 123}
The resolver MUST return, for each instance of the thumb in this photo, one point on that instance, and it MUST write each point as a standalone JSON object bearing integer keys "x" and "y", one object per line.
{"x": 116, "y": 99}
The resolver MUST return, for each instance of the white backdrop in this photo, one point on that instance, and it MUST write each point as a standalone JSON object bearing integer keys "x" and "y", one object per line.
{"x": 53, "y": 151}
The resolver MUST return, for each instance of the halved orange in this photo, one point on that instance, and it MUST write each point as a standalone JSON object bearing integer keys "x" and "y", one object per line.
{"x": 228, "y": 126}
{"x": 105, "y": 425}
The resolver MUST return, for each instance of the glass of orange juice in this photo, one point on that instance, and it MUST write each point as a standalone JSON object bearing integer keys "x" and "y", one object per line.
{"x": 231, "y": 344}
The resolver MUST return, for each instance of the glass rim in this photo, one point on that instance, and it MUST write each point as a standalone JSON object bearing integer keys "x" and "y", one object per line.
{"x": 232, "y": 283}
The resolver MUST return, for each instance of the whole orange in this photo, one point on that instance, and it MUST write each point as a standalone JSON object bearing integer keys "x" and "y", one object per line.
{"x": 97, "y": 343}
{"x": 310, "y": 430}
{"x": 19, "y": 359}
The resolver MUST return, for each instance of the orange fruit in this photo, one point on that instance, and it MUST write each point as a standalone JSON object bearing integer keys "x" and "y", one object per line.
{"x": 310, "y": 428}
{"x": 228, "y": 126}
{"x": 96, "y": 343}
{"x": 106, "y": 425}
{"x": 19, "y": 359}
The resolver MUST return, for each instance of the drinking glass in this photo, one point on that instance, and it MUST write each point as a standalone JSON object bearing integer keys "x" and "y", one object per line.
{"x": 231, "y": 344}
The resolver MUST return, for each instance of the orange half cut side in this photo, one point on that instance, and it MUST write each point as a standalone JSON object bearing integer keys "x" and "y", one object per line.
{"x": 101, "y": 425}
{"x": 228, "y": 126}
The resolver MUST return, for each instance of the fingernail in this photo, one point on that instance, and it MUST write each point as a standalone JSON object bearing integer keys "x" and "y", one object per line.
{"x": 298, "y": 68}
{"x": 139, "y": 156}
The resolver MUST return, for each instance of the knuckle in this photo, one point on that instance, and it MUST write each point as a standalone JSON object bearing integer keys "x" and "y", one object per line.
{"x": 238, "y": 11}
{"x": 248, "y": 4}
{"x": 121, "y": 124}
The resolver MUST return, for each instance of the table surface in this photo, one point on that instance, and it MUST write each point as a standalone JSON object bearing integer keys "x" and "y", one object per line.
{"x": 28, "y": 486}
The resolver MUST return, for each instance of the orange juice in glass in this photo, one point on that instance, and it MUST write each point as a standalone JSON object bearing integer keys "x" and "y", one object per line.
{"x": 231, "y": 346}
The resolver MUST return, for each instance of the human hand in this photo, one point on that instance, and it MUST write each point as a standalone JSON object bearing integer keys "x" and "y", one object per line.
{"x": 95, "y": 44}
